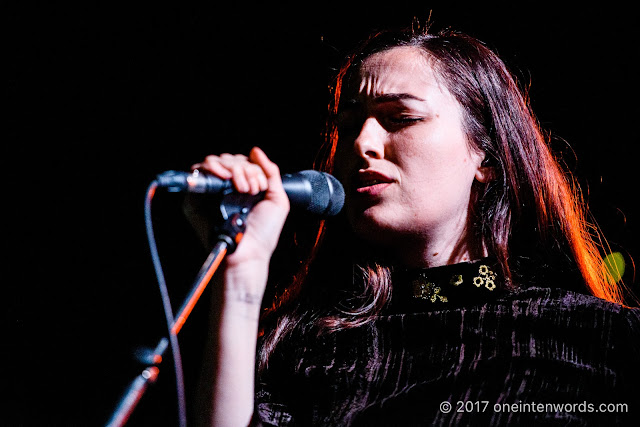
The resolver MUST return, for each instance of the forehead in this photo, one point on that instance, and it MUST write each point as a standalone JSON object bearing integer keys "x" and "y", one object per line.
{"x": 403, "y": 57}
{"x": 398, "y": 70}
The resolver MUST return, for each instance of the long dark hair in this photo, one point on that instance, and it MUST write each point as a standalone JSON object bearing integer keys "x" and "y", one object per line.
{"x": 530, "y": 215}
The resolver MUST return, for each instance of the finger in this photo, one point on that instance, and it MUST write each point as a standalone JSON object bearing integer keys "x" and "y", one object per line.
{"x": 240, "y": 179}
{"x": 255, "y": 175}
{"x": 272, "y": 174}
{"x": 262, "y": 182}
{"x": 270, "y": 169}
{"x": 257, "y": 172}
{"x": 229, "y": 160}
{"x": 212, "y": 166}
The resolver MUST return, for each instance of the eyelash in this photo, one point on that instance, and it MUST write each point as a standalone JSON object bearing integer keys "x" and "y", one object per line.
{"x": 405, "y": 120}
{"x": 347, "y": 120}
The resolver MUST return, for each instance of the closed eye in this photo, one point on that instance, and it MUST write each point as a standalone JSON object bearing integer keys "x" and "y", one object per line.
{"x": 396, "y": 122}
{"x": 405, "y": 119}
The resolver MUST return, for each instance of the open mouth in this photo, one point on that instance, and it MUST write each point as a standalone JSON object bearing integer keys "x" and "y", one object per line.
{"x": 372, "y": 182}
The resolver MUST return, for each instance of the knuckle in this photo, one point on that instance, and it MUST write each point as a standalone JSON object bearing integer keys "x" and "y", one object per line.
{"x": 254, "y": 170}
{"x": 230, "y": 160}
{"x": 237, "y": 168}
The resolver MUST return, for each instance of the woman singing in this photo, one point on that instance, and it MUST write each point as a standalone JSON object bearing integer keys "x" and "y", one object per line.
{"x": 461, "y": 284}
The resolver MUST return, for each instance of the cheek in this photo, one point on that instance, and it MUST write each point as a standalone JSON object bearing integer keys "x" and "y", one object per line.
{"x": 440, "y": 172}
{"x": 431, "y": 160}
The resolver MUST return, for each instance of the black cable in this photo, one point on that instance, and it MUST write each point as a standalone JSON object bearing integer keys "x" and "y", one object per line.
{"x": 166, "y": 302}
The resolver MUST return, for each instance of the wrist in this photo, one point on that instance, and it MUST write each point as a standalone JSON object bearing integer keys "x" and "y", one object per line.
{"x": 245, "y": 313}
{"x": 244, "y": 287}
{"x": 250, "y": 277}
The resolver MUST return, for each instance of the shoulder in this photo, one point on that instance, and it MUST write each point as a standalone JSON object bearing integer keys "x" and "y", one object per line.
{"x": 562, "y": 300}
{"x": 573, "y": 310}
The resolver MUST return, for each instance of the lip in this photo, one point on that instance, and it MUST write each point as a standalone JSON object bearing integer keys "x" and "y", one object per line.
{"x": 372, "y": 182}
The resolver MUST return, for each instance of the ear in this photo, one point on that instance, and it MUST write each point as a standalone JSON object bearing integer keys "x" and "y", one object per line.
{"x": 484, "y": 174}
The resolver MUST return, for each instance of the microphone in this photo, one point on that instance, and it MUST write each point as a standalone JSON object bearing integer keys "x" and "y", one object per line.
{"x": 316, "y": 192}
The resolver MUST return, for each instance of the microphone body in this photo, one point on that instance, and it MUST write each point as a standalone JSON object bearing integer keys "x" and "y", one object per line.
{"x": 316, "y": 192}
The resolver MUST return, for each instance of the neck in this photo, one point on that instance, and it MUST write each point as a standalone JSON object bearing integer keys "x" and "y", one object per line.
{"x": 427, "y": 254}
{"x": 451, "y": 243}
{"x": 436, "y": 249}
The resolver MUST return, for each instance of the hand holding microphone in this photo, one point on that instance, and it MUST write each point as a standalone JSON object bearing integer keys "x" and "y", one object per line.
{"x": 316, "y": 192}
{"x": 249, "y": 175}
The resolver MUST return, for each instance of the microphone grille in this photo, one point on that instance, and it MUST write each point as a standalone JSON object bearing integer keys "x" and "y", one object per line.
{"x": 327, "y": 194}
{"x": 337, "y": 196}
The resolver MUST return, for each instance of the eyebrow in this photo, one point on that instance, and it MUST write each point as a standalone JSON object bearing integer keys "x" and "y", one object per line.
{"x": 391, "y": 97}
{"x": 380, "y": 99}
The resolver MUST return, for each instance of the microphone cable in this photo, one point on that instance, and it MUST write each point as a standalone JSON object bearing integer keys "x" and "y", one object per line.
{"x": 166, "y": 303}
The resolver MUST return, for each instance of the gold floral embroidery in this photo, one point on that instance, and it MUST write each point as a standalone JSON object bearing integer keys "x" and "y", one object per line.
{"x": 427, "y": 290}
{"x": 486, "y": 277}
{"x": 456, "y": 280}
{"x": 478, "y": 281}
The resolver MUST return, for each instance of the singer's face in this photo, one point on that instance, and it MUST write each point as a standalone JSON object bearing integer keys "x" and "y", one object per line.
{"x": 403, "y": 155}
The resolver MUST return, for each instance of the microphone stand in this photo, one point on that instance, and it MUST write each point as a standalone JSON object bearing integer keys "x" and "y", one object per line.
{"x": 234, "y": 209}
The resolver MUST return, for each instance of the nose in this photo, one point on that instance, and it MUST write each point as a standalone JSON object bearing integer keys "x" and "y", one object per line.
{"x": 370, "y": 140}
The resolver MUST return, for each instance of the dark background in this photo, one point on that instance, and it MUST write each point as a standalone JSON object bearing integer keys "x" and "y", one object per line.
{"x": 102, "y": 97}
